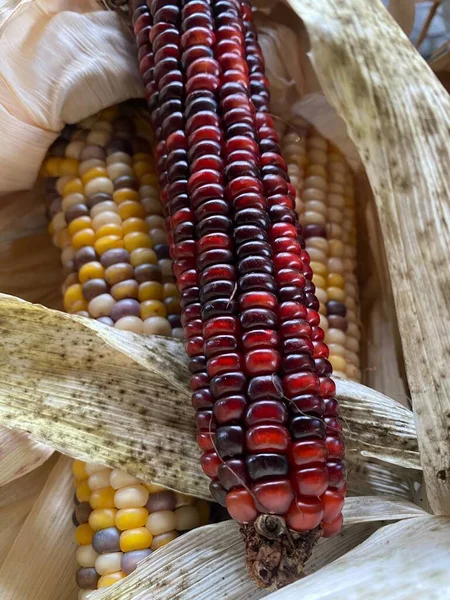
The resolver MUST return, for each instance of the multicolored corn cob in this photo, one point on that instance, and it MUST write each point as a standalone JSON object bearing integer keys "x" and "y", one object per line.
{"x": 325, "y": 205}
{"x": 105, "y": 215}
{"x": 267, "y": 418}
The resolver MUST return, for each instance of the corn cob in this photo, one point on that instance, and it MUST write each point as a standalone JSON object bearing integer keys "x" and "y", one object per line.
{"x": 266, "y": 415}
{"x": 324, "y": 182}
{"x": 105, "y": 216}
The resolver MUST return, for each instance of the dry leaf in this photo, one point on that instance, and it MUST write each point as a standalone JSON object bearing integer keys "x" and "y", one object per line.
{"x": 108, "y": 396}
{"x": 19, "y": 454}
{"x": 16, "y": 501}
{"x": 398, "y": 127}
{"x": 41, "y": 562}
{"x": 398, "y": 562}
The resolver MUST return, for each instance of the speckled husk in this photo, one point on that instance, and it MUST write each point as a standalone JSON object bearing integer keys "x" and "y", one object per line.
{"x": 276, "y": 555}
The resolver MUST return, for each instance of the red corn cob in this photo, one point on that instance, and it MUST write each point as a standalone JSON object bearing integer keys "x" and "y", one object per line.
{"x": 266, "y": 417}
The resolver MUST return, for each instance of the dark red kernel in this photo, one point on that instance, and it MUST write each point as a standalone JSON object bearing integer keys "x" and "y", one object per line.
{"x": 194, "y": 346}
{"x": 332, "y": 528}
{"x": 336, "y": 474}
{"x": 229, "y": 440}
{"x": 304, "y": 426}
{"x": 266, "y": 411}
{"x": 202, "y": 399}
{"x": 310, "y": 481}
{"x": 291, "y": 310}
{"x": 333, "y": 501}
{"x": 221, "y": 325}
{"x": 253, "y": 318}
{"x": 305, "y": 513}
{"x": 233, "y": 473}
{"x": 241, "y": 506}
{"x": 224, "y": 363}
{"x": 199, "y": 381}
{"x": 229, "y": 409}
{"x": 299, "y": 383}
{"x": 327, "y": 387}
{"x": 210, "y": 463}
{"x": 264, "y": 387}
{"x": 229, "y": 383}
{"x": 204, "y": 420}
{"x": 267, "y": 438}
{"x": 307, "y": 403}
{"x": 262, "y": 361}
{"x": 293, "y": 363}
{"x": 260, "y": 338}
{"x": 219, "y": 344}
{"x": 295, "y": 328}
{"x": 274, "y": 497}
{"x": 307, "y": 451}
{"x": 266, "y": 465}
{"x": 205, "y": 441}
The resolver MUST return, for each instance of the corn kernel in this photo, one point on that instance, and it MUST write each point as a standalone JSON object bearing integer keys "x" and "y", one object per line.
{"x": 84, "y": 534}
{"x": 151, "y": 290}
{"x": 69, "y": 166}
{"x": 142, "y": 168}
{"x": 135, "y": 539}
{"x": 337, "y": 362}
{"x": 130, "y": 518}
{"x": 153, "y": 488}
{"x": 119, "y": 479}
{"x": 75, "y": 186}
{"x": 53, "y": 166}
{"x": 79, "y": 224}
{"x": 110, "y": 579}
{"x": 319, "y": 268}
{"x": 72, "y": 294}
{"x": 131, "y": 496}
{"x": 101, "y": 518}
{"x": 125, "y": 194}
{"x": 163, "y": 539}
{"x": 129, "y": 209}
{"x": 106, "y": 564}
{"x": 86, "y": 237}
{"x": 149, "y": 179}
{"x": 319, "y": 281}
{"x": 91, "y": 270}
{"x": 143, "y": 156}
{"x": 100, "y": 479}
{"x": 336, "y": 280}
{"x": 335, "y": 293}
{"x": 137, "y": 239}
{"x": 83, "y": 491}
{"x": 153, "y": 308}
{"x": 107, "y": 243}
{"x": 133, "y": 224}
{"x": 78, "y": 306}
{"x": 109, "y": 229}
{"x": 93, "y": 173}
{"x": 143, "y": 256}
{"x": 79, "y": 469}
{"x": 102, "y": 498}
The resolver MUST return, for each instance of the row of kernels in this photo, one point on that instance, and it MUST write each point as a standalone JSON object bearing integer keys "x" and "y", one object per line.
{"x": 118, "y": 516}
{"x": 294, "y": 151}
{"x": 342, "y": 312}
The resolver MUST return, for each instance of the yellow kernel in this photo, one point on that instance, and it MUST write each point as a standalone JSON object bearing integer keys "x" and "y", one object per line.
{"x": 124, "y": 194}
{"x": 170, "y": 290}
{"x": 72, "y": 295}
{"x": 337, "y": 362}
{"x": 93, "y": 173}
{"x": 53, "y": 166}
{"x": 84, "y": 534}
{"x": 110, "y": 579}
{"x": 75, "y": 186}
{"x": 153, "y": 308}
{"x": 102, "y": 498}
{"x": 129, "y": 209}
{"x": 319, "y": 281}
{"x": 151, "y": 290}
{"x": 336, "y": 280}
{"x": 69, "y": 166}
{"x": 86, "y": 237}
{"x": 78, "y": 306}
{"x": 110, "y": 114}
{"x": 335, "y": 293}
{"x": 137, "y": 239}
{"x": 79, "y": 224}
{"x": 92, "y": 270}
{"x": 142, "y": 168}
{"x": 203, "y": 511}
{"x": 63, "y": 239}
{"x": 319, "y": 268}
{"x": 153, "y": 488}
{"x": 79, "y": 469}
{"x": 149, "y": 179}
{"x": 163, "y": 539}
{"x": 83, "y": 491}
{"x": 135, "y": 539}
{"x": 109, "y": 229}
{"x": 101, "y": 518}
{"x": 134, "y": 224}
{"x": 106, "y": 243}
{"x": 143, "y": 256}
{"x": 130, "y": 518}
{"x": 336, "y": 248}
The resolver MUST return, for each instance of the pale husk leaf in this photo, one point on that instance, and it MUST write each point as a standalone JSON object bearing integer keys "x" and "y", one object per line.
{"x": 398, "y": 115}
{"x": 19, "y": 454}
{"x": 41, "y": 562}
{"x": 213, "y": 558}
{"x": 394, "y": 563}
{"x": 16, "y": 501}
{"x": 119, "y": 399}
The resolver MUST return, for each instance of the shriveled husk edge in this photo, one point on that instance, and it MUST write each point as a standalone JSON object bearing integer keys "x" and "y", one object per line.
{"x": 120, "y": 399}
